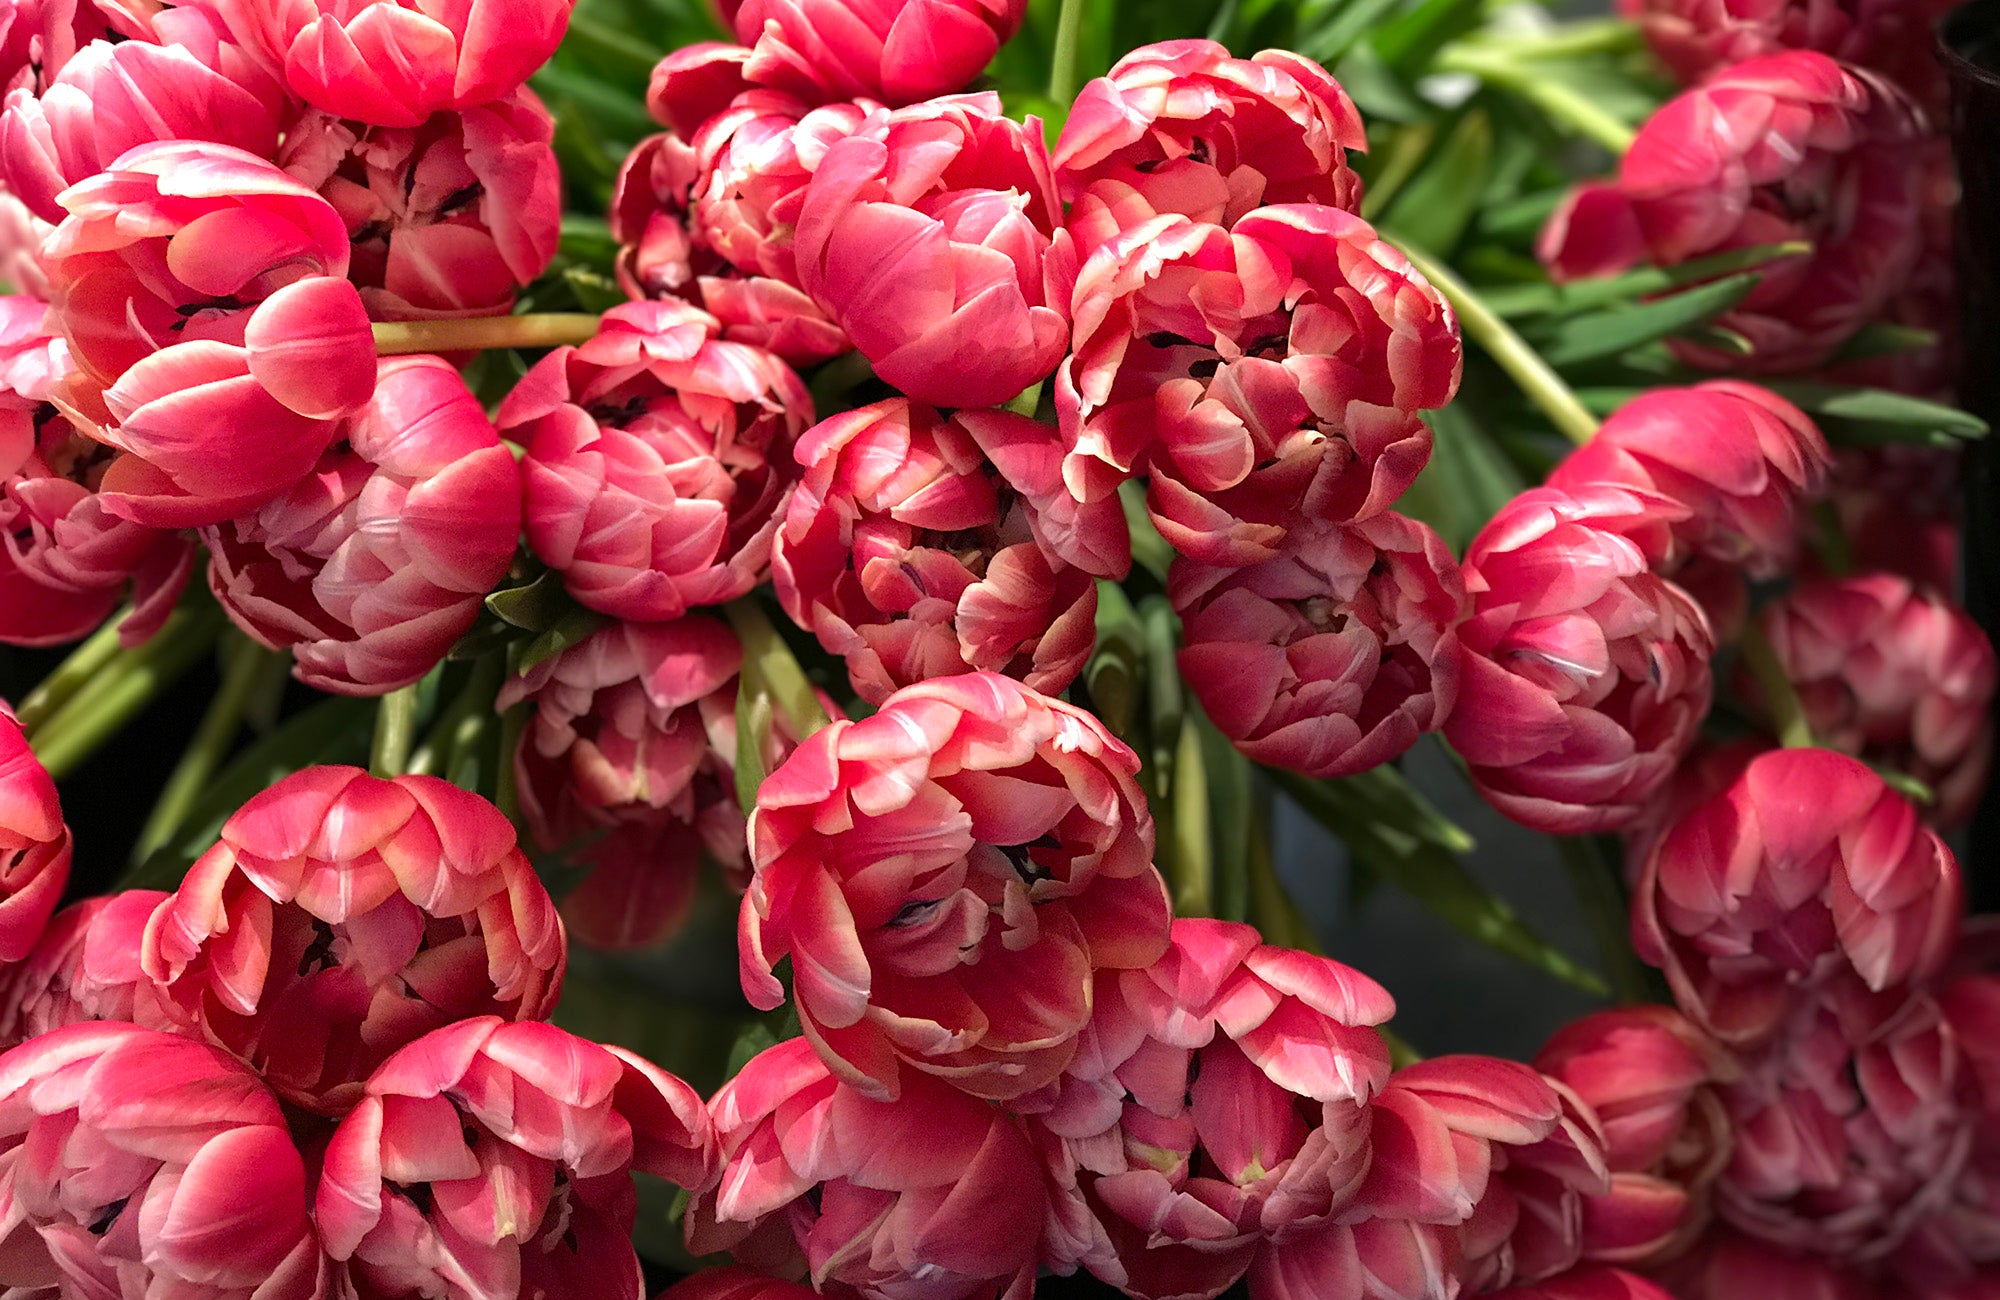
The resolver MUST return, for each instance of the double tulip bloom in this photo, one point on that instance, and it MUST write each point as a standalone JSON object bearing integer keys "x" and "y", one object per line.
{"x": 86, "y": 967}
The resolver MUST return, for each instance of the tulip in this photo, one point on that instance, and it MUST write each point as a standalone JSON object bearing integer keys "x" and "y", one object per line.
{"x": 1899, "y": 510}
{"x": 657, "y": 457}
{"x": 453, "y": 217}
{"x": 342, "y": 916}
{"x": 221, "y": 388}
{"x": 38, "y": 38}
{"x": 34, "y": 844}
{"x": 925, "y": 236}
{"x": 370, "y": 570}
{"x": 1585, "y": 676}
{"x": 1211, "y": 137}
{"x": 1731, "y": 1266}
{"x": 734, "y": 1282}
{"x": 697, "y": 83}
{"x": 1741, "y": 459}
{"x": 898, "y": 51}
{"x": 1651, "y": 1077}
{"x": 86, "y": 967}
{"x": 1805, "y": 872}
{"x": 946, "y": 876}
{"x": 887, "y": 1199}
{"x": 909, "y": 553}
{"x": 65, "y": 561}
{"x": 1333, "y": 658}
{"x": 1219, "y": 1099}
{"x": 139, "y": 1163}
{"x": 1697, "y": 37}
{"x": 1774, "y": 150}
{"x": 1589, "y": 1282}
{"x": 1897, "y": 676}
{"x": 1261, "y": 374}
{"x": 490, "y": 1159}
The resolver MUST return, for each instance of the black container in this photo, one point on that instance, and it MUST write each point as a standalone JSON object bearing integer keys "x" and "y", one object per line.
{"x": 1969, "y": 46}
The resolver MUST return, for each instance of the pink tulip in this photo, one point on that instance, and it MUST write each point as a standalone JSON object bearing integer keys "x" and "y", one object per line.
{"x": 1261, "y": 374}
{"x": 657, "y": 459}
{"x": 492, "y": 1160}
{"x": 1741, "y": 459}
{"x": 1730, "y": 1266}
{"x": 1899, "y": 510}
{"x": 1650, "y": 1076}
{"x": 1218, "y": 1100}
{"x": 38, "y": 38}
{"x": 113, "y": 98}
{"x": 1897, "y": 676}
{"x": 734, "y": 1282}
{"x": 1805, "y": 872}
{"x": 1585, "y": 676}
{"x": 907, "y": 551}
{"x": 65, "y": 561}
{"x": 453, "y": 217}
{"x": 221, "y": 387}
{"x": 1588, "y": 1282}
{"x": 1697, "y": 37}
{"x": 396, "y": 62}
{"x": 138, "y": 1163}
{"x": 342, "y": 916}
{"x": 370, "y": 570}
{"x": 933, "y": 1195}
{"x": 1785, "y": 148}
{"x": 925, "y": 236}
{"x": 899, "y": 51}
{"x": 1211, "y": 137}
{"x": 86, "y": 967}
{"x": 34, "y": 843}
{"x": 946, "y": 876}
{"x": 1333, "y": 658}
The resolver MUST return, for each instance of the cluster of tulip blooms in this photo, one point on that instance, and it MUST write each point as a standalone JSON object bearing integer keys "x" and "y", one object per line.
{"x": 254, "y": 244}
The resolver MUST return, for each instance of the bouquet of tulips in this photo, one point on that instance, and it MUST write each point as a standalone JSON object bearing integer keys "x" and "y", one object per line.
{"x": 768, "y": 566}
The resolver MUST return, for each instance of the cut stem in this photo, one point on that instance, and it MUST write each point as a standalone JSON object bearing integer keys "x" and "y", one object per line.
{"x": 243, "y": 671}
{"x": 395, "y": 732}
{"x": 1557, "y": 100}
{"x": 1062, "y": 68}
{"x": 770, "y": 665}
{"x": 117, "y": 695}
{"x": 71, "y": 675}
{"x": 1536, "y": 379}
{"x": 1781, "y": 698}
{"x": 480, "y": 333}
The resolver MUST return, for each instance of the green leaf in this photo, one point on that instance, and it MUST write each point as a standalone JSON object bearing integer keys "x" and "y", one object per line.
{"x": 1884, "y": 339}
{"x": 1232, "y": 801}
{"x": 1378, "y": 90}
{"x": 1876, "y": 416}
{"x": 534, "y": 607}
{"x": 1631, "y": 286}
{"x": 1408, "y": 42}
{"x": 574, "y": 627}
{"x": 1607, "y": 333}
{"x": 1438, "y": 203}
{"x": 1334, "y": 35}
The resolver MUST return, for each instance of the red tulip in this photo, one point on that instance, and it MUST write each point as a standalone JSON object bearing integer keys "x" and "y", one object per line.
{"x": 1211, "y": 137}
{"x": 925, "y": 235}
{"x": 1894, "y": 675}
{"x": 34, "y": 843}
{"x": 453, "y": 217}
{"x": 491, "y": 1160}
{"x": 86, "y": 967}
{"x": 1333, "y": 658}
{"x": 1779, "y": 149}
{"x": 139, "y": 1163}
{"x": 342, "y": 916}
{"x": 946, "y": 876}
{"x": 933, "y": 1195}
{"x": 905, "y": 549}
{"x": 1651, "y": 1078}
{"x": 657, "y": 458}
{"x": 1742, "y": 460}
{"x": 1218, "y": 1100}
{"x": 372, "y": 569}
{"x": 1260, "y": 374}
{"x": 65, "y": 561}
{"x": 1585, "y": 675}
{"x": 38, "y": 37}
{"x": 1805, "y": 872}
{"x": 899, "y": 51}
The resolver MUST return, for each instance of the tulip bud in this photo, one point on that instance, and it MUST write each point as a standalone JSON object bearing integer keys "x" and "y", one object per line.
{"x": 342, "y": 916}
{"x": 946, "y": 876}
{"x": 1585, "y": 676}
{"x": 504, "y": 1153}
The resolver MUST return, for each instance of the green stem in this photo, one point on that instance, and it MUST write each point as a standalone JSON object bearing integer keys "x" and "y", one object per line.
{"x": 433, "y": 756}
{"x": 1567, "y": 40}
{"x": 244, "y": 670}
{"x": 1781, "y": 698}
{"x": 1271, "y": 907}
{"x": 768, "y": 664}
{"x": 506, "y": 793}
{"x": 1536, "y": 379}
{"x": 395, "y": 732}
{"x": 1593, "y": 875}
{"x": 71, "y": 675}
{"x": 479, "y": 333}
{"x": 1062, "y": 68}
{"x": 115, "y": 696}
{"x": 1558, "y": 101}
{"x": 1194, "y": 851}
